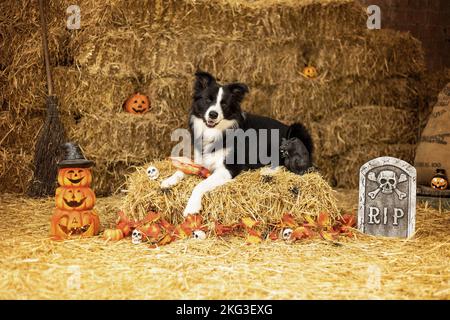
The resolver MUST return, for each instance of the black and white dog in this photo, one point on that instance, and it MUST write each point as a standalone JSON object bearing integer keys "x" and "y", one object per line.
{"x": 216, "y": 118}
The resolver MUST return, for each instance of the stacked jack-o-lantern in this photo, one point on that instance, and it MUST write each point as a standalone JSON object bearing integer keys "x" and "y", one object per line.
{"x": 74, "y": 216}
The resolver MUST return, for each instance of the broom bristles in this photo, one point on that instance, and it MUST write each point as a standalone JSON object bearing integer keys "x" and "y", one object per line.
{"x": 48, "y": 151}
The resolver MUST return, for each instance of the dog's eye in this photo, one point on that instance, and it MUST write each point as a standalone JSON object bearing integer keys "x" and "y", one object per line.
{"x": 208, "y": 100}
{"x": 223, "y": 104}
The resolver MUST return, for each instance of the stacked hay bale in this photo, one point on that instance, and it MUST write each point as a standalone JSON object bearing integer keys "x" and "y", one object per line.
{"x": 251, "y": 194}
{"x": 22, "y": 85}
{"x": 155, "y": 46}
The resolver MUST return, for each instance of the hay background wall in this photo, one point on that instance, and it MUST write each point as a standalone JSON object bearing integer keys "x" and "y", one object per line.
{"x": 155, "y": 46}
{"x": 427, "y": 20}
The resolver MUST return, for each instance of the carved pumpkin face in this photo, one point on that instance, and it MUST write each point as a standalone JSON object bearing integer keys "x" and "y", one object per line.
{"x": 73, "y": 198}
{"x": 439, "y": 183}
{"x": 67, "y": 224}
{"x": 75, "y": 177}
{"x": 137, "y": 104}
{"x": 310, "y": 72}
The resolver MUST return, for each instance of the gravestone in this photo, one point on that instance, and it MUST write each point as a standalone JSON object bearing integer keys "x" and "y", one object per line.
{"x": 387, "y": 198}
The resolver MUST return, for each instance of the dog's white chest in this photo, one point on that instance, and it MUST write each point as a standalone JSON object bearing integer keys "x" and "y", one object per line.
{"x": 214, "y": 160}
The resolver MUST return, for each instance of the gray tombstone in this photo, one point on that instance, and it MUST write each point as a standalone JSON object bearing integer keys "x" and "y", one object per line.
{"x": 387, "y": 198}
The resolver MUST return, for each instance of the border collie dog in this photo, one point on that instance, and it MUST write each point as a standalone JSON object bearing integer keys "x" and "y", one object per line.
{"x": 217, "y": 123}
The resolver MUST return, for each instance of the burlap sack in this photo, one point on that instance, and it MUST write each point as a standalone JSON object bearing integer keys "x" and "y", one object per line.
{"x": 433, "y": 150}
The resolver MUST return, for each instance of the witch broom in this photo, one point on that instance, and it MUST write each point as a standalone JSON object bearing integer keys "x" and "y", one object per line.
{"x": 52, "y": 134}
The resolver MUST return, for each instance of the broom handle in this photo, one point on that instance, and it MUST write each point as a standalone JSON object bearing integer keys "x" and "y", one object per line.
{"x": 45, "y": 46}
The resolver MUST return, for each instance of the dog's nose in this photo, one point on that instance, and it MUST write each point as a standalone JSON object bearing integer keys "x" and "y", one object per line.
{"x": 213, "y": 114}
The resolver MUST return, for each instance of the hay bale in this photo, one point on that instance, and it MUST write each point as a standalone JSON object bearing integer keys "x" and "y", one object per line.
{"x": 366, "y": 125}
{"x": 22, "y": 54}
{"x": 348, "y": 165}
{"x": 21, "y": 132}
{"x": 306, "y": 100}
{"x": 110, "y": 177}
{"x": 257, "y": 101}
{"x": 255, "y": 62}
{"x": 374, "y": 54}
{"x": 125, "y": 137}
{"x": 250, "y": 19}
{"x": 81, "y": 93}
{"x": 15, "y": 170}
{"x": 246, "y": 196}
{"x": 432, "y": 85}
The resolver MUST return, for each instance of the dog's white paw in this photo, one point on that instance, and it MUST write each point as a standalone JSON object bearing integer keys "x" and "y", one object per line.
{"x": 169, "y": 182}
{"x": 269, "y": 171}
{"x": 172, "y": 180}
{"x": 166, "y": 183}
{"x": 193, "y": 207}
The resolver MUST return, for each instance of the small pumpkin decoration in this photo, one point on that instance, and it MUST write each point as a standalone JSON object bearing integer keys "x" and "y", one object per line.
{"x": 137, "y": 104}
{"x": 440, "y": 180}
{"x": 73, "y": 198}
{"x": 113, "y": 234}
{"x": 75, "y": 177}
{"x": 67, "y": 224}
{"x": 310, "y": 72}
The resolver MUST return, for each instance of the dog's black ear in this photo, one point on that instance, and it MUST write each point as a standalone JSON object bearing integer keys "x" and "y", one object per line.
{"x": 203, "y": 80}
{"x": 238, "y": 90}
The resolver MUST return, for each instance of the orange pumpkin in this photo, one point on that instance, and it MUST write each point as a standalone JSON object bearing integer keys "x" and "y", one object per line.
{"x": 137, "y": 104}
{"x": 439, "y": 183}
{"x": 113, "y": 234}
{"x": 75, "y": 177}
{"x": 68, "y": 224}
{"x": 440, "y": 180}
{"x": 73, "y": 198}
{"x": 310, "y": 72}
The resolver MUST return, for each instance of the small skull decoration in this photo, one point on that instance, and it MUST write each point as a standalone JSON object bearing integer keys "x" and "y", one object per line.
{"x": 199, "y": 234}
{"x": 286, "y": 234}
{"x": 387, "y": 183}
{"x": 153, "y": 173}
{"x": 136, "y": 237}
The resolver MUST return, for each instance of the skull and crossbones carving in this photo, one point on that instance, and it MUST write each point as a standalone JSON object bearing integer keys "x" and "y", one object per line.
{"x": 387, "y": 183}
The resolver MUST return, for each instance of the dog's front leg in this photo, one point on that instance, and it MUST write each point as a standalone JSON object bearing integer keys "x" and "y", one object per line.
{"x": 172, "y": 180}
{"x": 218, "y": 178}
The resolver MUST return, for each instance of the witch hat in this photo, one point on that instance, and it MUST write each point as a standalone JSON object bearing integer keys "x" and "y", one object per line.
{"x": 74, "y": 157}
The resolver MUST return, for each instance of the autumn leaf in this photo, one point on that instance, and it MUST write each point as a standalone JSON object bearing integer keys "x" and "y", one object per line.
{"x": 124, "y": 223}
{"x": 180, "y": 233}
{"x": 309, "y": 221}
{"x": 248, "y": 222}
{"x": 222, "y": 230}
{"x": 153, "y": 231}
{"x": 345, "y": 225}
{"x": 253, "y": 237}
{"x": 301, "y": 233}
{"x": 323, "y": 220}
{"x": 330, "y": 236}
{"x": 348, "y": 220}
{"x": 166, "y": 240}
{"x": 166, "y": 225}
{"x": 288, "y": 221}
{"x": 150, "y": 218}
{"x": 193, "y": 222}
{"x": 273, "y": 235}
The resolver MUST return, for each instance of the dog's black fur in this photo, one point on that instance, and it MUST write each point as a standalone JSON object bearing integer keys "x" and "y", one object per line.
{"x": 206, "y": 90}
